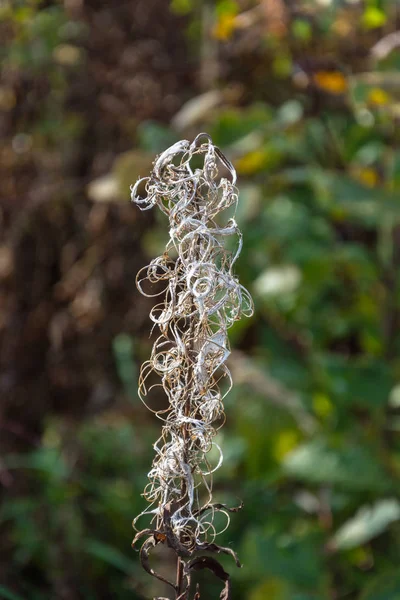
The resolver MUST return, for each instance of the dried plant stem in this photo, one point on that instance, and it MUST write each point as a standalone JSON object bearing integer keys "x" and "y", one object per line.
{"x": 185, "y": 435}
{"x": 179, "y": 576}
{"x": 202, "y": 299}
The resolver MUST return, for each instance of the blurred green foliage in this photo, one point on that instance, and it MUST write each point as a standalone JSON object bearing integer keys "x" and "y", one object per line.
{"x": 317, "y": 150}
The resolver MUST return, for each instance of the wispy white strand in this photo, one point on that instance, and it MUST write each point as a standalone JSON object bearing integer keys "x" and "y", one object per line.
{"x": 202, "y": 299}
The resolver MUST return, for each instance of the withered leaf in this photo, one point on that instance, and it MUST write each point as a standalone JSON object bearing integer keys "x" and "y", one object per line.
{"x": 150, "y": 543}
{"x": 142, "y": 533}
{"x": 219, "y": 549}
{"x": 219, "y": 506}
{"x": 206, "y": 562}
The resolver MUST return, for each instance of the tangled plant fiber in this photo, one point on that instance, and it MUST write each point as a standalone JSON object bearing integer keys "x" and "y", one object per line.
{"x": 193, "y": 184}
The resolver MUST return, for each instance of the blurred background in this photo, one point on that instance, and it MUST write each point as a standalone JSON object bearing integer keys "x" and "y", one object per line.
{"x": 304, "y": 97}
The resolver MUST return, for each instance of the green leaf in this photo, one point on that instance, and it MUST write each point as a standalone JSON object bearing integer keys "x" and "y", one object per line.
{"x": 273, "y": 589}
{"x": 226, "y": 6}
{"x": 368, "y": 522}
{"x": 344, "y": 197}
{"x": 181, "y": 7}
{"x": 302, "y": 30}
{"x": 154, "y": 137}
{"x": 360, "y": 382}
{"x": 297, "y": 560}
{"x": 351, "y": 466}
{"x": 384, "y": 587}
{"x": 110, "y": 555}
{"x": 234, "y": 124}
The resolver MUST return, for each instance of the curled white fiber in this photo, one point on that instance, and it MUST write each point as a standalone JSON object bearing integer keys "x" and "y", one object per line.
{"x": 193, "y": 184}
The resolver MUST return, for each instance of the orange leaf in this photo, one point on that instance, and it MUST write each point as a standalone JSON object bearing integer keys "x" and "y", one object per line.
{"x": 333, "y": 82}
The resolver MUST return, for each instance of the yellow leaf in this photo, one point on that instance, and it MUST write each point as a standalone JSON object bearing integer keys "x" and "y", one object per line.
{"x": 378, "y": 97}
{"x": 251, "y": 162}
{"x": 333, "y": 82}
{"x": 369, "y": 177}
{"x": 367, "y": 305}
{"x": 322, "y": 405}
{"x": 361, "y": 556}
{"x": 285, "y": 443}
{"x": 181, "y": 7}
{"x": 373, "y": 17}
{"x": 338, "y": 213}
{"x": 225, "y": 26}
{"x": 273, "y": 589}
{"x": 371, "y": 343}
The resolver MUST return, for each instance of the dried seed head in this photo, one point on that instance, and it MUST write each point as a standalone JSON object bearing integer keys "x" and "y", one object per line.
{"x": 193, "y": 184}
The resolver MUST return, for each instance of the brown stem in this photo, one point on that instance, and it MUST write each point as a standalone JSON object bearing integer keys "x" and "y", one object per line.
{"x": 185, "y": 433}
{"x": 179, "y": 576}
{"x": 179, "y": 564}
